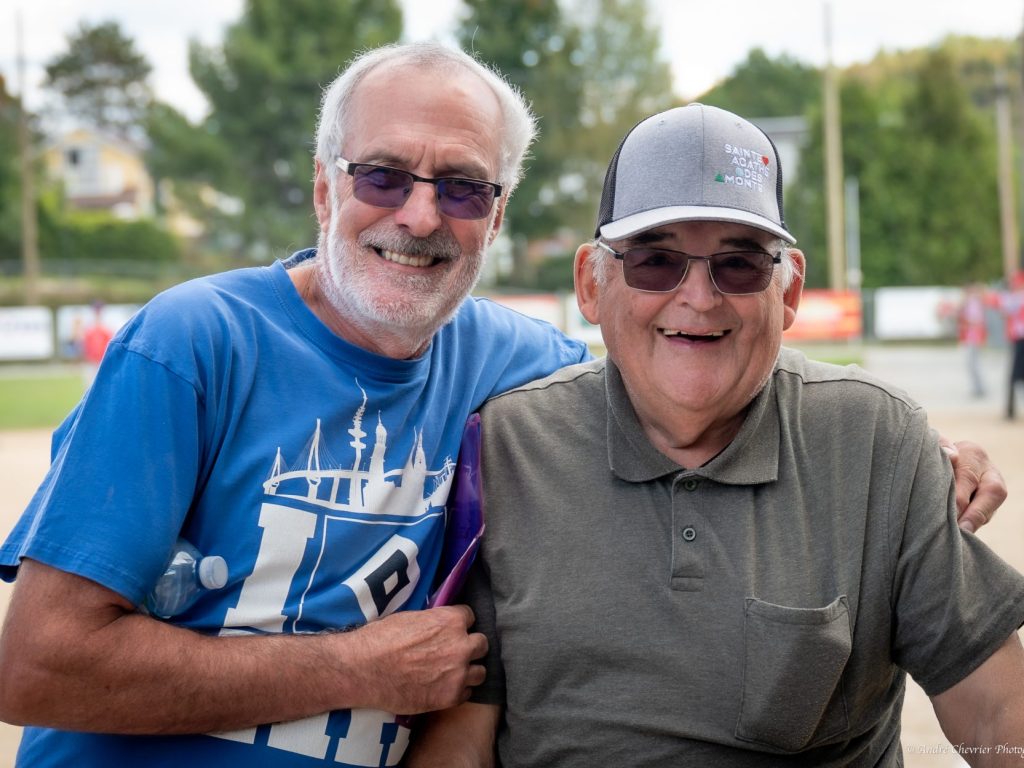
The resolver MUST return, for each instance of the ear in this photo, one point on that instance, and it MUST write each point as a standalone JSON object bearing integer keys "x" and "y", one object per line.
{"x": 586, "y": 284}
{"x": 322, "y": 197}
{"x": 498, "y": 218}
{"x": 791, "y": 297}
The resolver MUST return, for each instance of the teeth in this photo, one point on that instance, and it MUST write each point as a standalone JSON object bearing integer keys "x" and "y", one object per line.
{"x": 409, "y": 261}
{"x": 710, "y": 335}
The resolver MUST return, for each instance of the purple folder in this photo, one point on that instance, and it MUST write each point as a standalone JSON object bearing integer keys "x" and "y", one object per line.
{"x": 464, "y": 525}
{"x": 464, "y": 518}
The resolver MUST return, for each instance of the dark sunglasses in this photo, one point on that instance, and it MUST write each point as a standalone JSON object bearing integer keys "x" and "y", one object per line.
{"x": 660, "y": 270}
{"x": 384, "y": 187}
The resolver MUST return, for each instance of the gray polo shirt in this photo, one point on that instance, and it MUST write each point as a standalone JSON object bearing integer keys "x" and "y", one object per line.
{"x": 758, "y": 610}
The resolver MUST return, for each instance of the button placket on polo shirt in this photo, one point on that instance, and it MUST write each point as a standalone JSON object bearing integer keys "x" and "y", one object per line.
{"x": 689, "y": 551}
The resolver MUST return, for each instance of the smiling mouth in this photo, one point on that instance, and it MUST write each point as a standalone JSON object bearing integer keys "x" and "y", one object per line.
{"x": 704, "y": 338}
{"x": 406, "y": 259}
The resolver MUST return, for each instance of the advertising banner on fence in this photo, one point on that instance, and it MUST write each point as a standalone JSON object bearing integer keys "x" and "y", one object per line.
{"x": 914, "y": 313}
{"x": 826, "y": 315}
{"x": 26, "y": 333}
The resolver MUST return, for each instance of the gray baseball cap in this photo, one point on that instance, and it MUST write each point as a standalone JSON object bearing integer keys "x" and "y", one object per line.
{"x": 692, "y": 163}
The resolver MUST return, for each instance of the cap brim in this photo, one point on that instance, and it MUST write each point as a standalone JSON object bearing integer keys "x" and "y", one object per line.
{"x": 640, "y": 222}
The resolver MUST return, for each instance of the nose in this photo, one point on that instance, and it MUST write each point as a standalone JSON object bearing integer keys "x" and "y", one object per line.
{"x": 420, "y": 215}
{"x": 697, "y": 289}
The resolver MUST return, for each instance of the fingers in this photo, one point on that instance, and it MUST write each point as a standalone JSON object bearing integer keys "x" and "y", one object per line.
{"x": 423, "y": 660}
{"x": 966, "y": 476}
{"x": 478, "y": 646}
{"x": 475, "y": 675}
{"x": 980, "y": 487}
{"x": 990, "y": 494}
{"x": 467, "y": 613}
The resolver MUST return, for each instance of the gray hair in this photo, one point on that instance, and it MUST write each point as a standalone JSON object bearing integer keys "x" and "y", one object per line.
{"x": 518, "y": 130}
{"x": 601, "y": 261}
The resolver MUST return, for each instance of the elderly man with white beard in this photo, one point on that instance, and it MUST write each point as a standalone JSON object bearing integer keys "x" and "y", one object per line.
{"x": 302, "y": 423}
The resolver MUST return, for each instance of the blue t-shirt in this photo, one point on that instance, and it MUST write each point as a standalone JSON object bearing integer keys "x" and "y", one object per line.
{"x": 227, "y": 413}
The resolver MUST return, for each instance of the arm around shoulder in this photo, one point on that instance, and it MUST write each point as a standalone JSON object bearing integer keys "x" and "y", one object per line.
{"x": 461, "y": 737}
{"x": 984, "y": 712}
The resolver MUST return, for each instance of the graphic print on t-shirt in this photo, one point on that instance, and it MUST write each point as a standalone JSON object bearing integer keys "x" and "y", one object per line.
{"x": 342, "y": 543}
{"x": 349, "y": 533}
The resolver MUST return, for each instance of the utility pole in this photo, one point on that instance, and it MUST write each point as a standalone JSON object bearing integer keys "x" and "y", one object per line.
{"x": 1004, "y": 155}
{"x": 29, "y": 232}
{"x": 852, "y": 202}
{"x": 833, "y": 166}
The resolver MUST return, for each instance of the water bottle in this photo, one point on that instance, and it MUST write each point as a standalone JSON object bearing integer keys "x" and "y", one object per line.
{"x": 185, "y": 577}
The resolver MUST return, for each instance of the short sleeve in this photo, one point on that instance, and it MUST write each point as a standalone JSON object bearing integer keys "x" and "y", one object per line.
{"x": 954, "y": 600}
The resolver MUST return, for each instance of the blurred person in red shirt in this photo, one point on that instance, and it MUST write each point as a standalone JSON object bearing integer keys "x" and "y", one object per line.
{"x": 971, "y": 331}
{"x": 94, "y": 343}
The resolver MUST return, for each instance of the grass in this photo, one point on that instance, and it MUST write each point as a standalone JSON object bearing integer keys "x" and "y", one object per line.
{"x": 37, "y": 401}
{"x": 30, "y": 400}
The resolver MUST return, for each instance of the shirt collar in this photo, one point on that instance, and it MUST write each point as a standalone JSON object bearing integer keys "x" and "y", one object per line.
{"x": 751, "y": 458}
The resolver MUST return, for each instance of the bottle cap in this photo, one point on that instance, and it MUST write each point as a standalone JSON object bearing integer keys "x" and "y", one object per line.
{"x": 213, "y": 572}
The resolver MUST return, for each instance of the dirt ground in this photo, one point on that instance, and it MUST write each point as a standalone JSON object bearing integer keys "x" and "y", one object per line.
{"x": 934, "y": 377}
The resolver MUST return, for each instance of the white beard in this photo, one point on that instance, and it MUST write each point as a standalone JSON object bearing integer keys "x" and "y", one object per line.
{"x": 413, "y": 305}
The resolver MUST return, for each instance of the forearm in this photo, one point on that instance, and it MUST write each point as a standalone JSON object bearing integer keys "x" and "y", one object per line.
{"x": 462, "y": 737}
{"x": 135, "y": 674}
{"x": 984, "y": 714}
{"x": 89, "y": 662}
{"x": 998, "y": 742}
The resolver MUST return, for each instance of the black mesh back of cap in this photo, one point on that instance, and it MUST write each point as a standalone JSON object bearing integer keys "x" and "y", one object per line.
{"x": 604, "y": 214}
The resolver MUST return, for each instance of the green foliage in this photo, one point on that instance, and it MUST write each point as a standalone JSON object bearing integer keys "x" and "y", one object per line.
{"x": 556, "y": 274}
{"x": 99, "y": 237}
{"x": 101, "y": 78}
{"x": 10, "y": 176}
{"x": 589, "y": 78}
{"x": 263, "y": 84}
{"x": 536, "y": 48}
{"x": 924, "y": 158}
{"x": 626, "y": 79}
{"x": 180, "y": 150}
{"x": 764, "y": 87}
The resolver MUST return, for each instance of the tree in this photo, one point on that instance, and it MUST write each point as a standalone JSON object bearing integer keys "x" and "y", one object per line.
{"x": 865, "y": 158}
{"x": 946, "y": 164}
{"x": 764, "y": 87}
{"x": 102, "y": 78}
{"x": 590, "y": 76}
{"x": 924, "y": 158}
{"x": 10, "y": 181}
{"x": 263, "y": 85}
{"x": 538, "y": 50}
{"x": 625, "y": 79}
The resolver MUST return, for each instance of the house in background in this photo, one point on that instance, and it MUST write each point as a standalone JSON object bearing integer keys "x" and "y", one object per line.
{"x": 101, "y": 172}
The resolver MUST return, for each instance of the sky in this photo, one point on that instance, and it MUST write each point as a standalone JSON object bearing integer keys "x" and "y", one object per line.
{"x": 702, "y": 39}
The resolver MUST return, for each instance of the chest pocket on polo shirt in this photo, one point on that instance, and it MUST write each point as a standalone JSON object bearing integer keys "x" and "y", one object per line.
{"x": 792, "y": 674}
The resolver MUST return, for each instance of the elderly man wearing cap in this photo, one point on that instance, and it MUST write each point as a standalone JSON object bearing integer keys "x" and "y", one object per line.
{"x": 714, "y": 551}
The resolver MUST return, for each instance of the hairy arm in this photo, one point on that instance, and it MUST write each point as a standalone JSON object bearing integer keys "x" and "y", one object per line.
{"x": 75, "y": 655}
{"x": 462, "y": 737}
{"x": 984, "y": 712}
